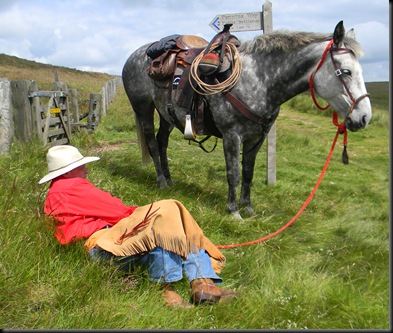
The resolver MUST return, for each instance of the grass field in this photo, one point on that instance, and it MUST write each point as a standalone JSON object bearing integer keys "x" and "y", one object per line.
{"x": 329, "y": 270}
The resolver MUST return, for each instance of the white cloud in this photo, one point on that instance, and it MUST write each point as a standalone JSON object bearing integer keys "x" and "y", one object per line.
{"x": 12, "y": 24}
{"x": 374, "y": 37}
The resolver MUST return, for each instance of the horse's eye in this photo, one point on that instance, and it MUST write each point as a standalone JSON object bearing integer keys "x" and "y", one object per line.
{"x": 346, "y": 71}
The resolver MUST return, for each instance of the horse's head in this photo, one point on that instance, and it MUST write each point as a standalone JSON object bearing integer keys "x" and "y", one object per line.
{"x": 339, "y": 80}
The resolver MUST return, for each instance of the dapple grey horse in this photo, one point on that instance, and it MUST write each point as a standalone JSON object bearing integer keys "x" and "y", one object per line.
{"x": 275, "y": 67}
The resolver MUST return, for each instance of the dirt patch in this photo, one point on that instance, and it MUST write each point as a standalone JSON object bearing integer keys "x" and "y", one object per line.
{"x": 113, "y": 146}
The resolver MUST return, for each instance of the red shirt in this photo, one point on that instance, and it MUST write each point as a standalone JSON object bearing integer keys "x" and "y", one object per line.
{"x": 81, "y": 208}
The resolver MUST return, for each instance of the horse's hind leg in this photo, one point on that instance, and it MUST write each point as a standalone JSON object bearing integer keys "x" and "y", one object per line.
{"x": 162, "y": 139}
{"x": 144, "y": 112}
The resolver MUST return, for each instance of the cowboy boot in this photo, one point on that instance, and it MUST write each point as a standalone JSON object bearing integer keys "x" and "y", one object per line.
{"x": 226, "y": 295}
{"x": 204, "y": 291}
{"x": 173, "y": 299}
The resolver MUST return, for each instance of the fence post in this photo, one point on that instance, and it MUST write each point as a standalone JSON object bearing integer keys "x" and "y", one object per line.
{"x": 35, "y": 105}
{"x": 271, "y": 136}
{"x": 104, "y": 99}
{"x": 74, "y": 107}
{"x": 95, "y": 108}
{"x": 6, "y": 122}
{"x": 21, "y": 109}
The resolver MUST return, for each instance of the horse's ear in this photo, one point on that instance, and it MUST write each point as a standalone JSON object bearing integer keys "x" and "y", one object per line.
{"x": 339, "y": 33}
{"x": 351, "y": 33}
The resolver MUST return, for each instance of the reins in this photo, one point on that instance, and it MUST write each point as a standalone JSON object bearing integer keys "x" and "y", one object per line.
{"x": 341, "y": 129}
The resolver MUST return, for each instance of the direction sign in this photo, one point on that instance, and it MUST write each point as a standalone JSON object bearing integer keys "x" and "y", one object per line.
{"x": 241, "y": 21}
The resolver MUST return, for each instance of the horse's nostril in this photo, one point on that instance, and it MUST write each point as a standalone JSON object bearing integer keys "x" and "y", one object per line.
{"x": 364, "y": 121}
{"x": 349, "y": 124}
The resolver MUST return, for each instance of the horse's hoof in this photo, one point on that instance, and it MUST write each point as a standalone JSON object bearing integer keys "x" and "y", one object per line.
{"x": 163, "y": 185}
{"x": 236, "y": 216}
{"x": 249, "y": 212}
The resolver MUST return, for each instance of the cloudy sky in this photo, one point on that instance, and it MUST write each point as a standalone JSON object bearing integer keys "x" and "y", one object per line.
{"x": 99, "y": 35}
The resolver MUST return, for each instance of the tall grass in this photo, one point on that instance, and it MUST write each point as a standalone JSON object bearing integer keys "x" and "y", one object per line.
{"x": 329, "y": 270}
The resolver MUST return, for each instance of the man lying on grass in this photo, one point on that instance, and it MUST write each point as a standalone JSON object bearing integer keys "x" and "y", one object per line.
{"x": 162, "y": 237}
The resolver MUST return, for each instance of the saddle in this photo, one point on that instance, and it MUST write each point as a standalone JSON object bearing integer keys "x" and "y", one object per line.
{"x": 171, "y": 59}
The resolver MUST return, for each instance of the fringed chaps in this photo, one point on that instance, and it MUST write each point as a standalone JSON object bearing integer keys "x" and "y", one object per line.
{"x": 171, "y": 227}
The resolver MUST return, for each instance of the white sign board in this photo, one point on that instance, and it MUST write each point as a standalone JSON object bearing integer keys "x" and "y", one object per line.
{"x": 241, "y": 21}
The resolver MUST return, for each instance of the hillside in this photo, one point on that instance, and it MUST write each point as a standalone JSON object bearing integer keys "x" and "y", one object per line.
{"x": 14, "y": 68}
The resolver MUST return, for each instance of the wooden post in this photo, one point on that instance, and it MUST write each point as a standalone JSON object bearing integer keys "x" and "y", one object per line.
{"x": 6, "y": 121}
{"x": 104, "y": 99}
{"x": 35, "y": 105}
{"x": 74, "y": 108}
{"x": 95, "y": 107}
{"x": 21, "y": 109}
{"x": 271, "y": 137}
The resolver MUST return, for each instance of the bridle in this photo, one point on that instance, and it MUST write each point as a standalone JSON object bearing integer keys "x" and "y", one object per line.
{"x": 329, "y": 48}
{"x": 341, "y": 128}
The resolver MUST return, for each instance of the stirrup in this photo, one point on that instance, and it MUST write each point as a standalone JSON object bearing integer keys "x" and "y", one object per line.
{"x": 189, "y": 132}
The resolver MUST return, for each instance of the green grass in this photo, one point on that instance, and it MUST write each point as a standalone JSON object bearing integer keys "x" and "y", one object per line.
{"x": 328, "y": 270}
{"x": 379, "y": 93}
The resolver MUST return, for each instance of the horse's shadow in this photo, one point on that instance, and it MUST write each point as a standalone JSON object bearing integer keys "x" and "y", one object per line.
{"x": 140, "y": 176}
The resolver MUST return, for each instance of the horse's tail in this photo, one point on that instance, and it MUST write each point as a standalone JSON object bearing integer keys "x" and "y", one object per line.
{"x": 146, "y": 158}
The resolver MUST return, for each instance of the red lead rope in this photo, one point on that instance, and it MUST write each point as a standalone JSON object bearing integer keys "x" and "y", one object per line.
{"x": 300, "y": 210}
{"x": 341, "y": 129}
{"x": 312, "y": 76}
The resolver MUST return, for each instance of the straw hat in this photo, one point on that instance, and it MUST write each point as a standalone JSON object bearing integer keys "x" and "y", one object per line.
{"x": 62, "y": 159}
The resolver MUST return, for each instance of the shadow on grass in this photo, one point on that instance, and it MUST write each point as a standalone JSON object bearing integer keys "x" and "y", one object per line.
{"x": 145, "y": 178}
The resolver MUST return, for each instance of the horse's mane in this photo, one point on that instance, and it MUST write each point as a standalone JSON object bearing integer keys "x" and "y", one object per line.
{"x": 288, "y": 41}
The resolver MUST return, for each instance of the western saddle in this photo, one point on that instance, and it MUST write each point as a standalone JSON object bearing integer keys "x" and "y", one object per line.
{"x": 171, "y": 61}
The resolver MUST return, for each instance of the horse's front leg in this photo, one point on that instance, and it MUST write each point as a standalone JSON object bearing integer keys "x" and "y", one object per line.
{"x": 231, "y": 145}
{"x": 162, "y": 139}
{"x": 250, "y": 150}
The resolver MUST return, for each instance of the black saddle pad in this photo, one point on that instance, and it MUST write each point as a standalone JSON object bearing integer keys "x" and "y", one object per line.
{"x": 159, "y": 47}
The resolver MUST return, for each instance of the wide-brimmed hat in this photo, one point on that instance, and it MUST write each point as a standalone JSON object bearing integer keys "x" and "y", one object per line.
{"x": 62, "y": 159}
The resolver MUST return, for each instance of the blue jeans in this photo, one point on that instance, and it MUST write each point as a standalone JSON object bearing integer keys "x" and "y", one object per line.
{"x": 163, "y": 265}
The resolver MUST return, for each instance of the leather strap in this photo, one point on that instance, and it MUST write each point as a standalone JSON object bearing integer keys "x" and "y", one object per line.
{"x": 243, "y": 109}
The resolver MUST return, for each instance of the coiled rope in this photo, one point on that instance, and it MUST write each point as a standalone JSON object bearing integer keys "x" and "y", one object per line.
{"x": 210, "y": 89}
